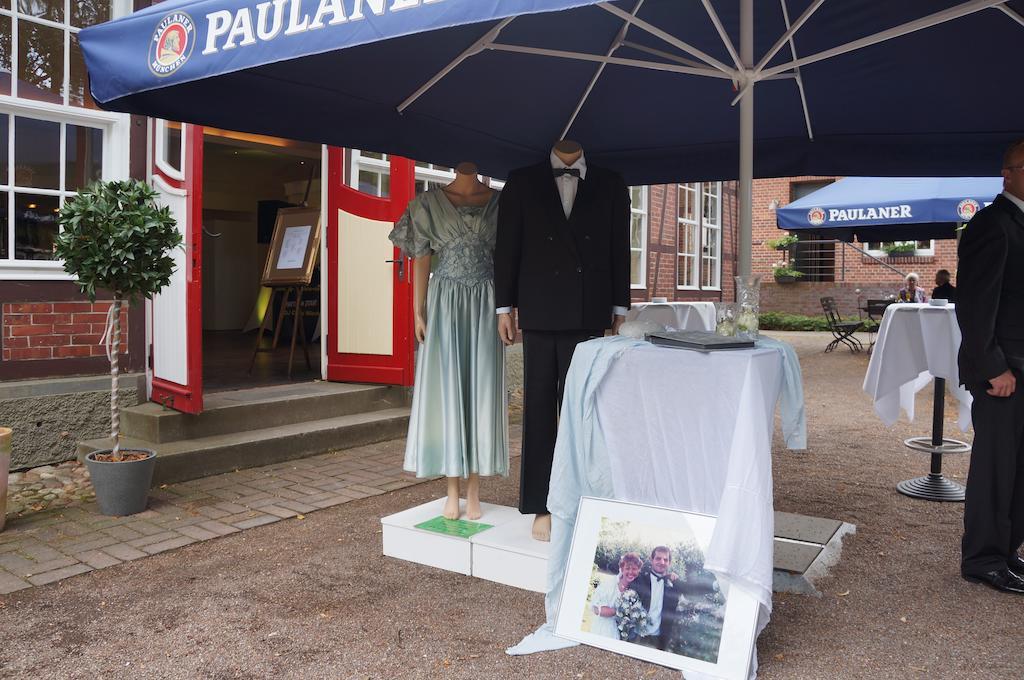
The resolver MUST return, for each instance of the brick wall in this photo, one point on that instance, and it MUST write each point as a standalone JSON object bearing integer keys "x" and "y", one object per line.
{"x": 662, "y": 234}
{"x": 805, "y": 297}
{"x": 57, "y": 330}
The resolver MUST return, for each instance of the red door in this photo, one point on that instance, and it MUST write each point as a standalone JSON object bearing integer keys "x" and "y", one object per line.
{"x": 370, "y": 294}
{"x": 177, "y": 312}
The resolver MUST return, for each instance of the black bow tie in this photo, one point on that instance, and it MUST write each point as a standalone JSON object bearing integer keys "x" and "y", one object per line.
{"x": 660, "y": 578}
{"x": 575, "y": 172}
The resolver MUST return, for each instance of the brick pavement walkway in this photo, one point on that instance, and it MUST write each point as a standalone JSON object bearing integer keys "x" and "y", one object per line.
{"x": 55, "y": 544}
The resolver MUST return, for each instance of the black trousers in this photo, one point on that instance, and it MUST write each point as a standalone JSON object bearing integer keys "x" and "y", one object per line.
{"x": 546, "y": 358}
{"x": 994, "y": 507}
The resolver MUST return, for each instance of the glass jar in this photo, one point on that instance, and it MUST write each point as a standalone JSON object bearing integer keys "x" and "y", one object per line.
{"x": 725, "y": 318}
{"x": 748, "y": 306}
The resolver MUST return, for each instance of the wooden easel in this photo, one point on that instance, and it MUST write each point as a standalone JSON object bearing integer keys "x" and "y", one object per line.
{"x": 297, "y": 327}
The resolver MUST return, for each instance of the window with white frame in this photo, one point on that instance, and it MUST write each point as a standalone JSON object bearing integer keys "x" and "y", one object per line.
{"x": 638, "y": 237}
{"x": 699, "y": 236}
{"x": 369, "y": 172}
{"x": 53, "y": 138}
{"x": 911, "y": 248}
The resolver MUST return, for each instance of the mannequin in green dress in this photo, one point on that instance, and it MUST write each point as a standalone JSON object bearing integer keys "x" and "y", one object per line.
{"x": 465, "y": 190}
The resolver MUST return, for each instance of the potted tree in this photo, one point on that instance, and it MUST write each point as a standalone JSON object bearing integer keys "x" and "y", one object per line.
{"x": 784, "y": 272}
{"x": 115, "y": 237}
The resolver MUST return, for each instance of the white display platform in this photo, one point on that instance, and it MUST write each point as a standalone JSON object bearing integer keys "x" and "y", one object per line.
{"x": 404, "y": 541}
{"x": 508, "y": 554}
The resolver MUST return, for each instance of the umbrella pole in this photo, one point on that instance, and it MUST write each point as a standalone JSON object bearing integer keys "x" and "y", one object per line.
{"x": 744, "y": 246}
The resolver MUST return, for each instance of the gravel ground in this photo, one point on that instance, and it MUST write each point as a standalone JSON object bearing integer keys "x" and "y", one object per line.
{"x": 313, "y": 598}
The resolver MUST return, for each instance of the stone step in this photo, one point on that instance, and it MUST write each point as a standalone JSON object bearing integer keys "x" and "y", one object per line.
{"x": 182, "y": 460}
{"x": 241, "y": 410}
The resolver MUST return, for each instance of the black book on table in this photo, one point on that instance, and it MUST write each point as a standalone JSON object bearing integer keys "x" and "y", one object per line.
{"x": 703, "y": 341}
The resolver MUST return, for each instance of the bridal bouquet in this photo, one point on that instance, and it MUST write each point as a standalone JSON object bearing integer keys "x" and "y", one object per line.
{"x": 630, "y": 616}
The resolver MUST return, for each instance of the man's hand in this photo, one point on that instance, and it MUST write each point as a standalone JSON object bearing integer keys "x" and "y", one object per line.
{"x": 1003, "y": 385}
{"x": 506, "y": 328}
{"x": 616, "y": 322}
{"x": 672, "y": 576}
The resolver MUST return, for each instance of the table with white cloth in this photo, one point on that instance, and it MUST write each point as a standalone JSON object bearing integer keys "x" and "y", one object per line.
{"x": 680, "y": 429}
{"x": 681, "y": 316}
{"x": 916, "y": 343}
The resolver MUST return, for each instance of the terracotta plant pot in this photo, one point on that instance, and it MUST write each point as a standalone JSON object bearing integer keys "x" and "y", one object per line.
{"x": 5, "y": 469}
{"x": 122, "y": 488}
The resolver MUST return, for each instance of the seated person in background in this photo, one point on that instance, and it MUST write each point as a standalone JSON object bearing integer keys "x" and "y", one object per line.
{"x": 911, "y": 292}
{"x": 943, "y": 290}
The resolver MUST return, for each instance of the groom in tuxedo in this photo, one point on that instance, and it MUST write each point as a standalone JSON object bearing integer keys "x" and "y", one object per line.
{"x": 561, "y": 261}
{"x": 655, "y": 586}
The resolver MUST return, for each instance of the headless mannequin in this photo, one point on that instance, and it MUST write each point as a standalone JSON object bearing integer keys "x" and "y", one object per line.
{"x": 465, "y": 190}
{"x": 568, "y": 151}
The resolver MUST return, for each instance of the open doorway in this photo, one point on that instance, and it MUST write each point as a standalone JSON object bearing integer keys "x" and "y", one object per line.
{"x": 246, "y": 180}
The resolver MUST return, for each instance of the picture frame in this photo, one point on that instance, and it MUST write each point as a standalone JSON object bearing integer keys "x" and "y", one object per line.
{"x": 713, "y": 625}
{"x": 294, "y": 248}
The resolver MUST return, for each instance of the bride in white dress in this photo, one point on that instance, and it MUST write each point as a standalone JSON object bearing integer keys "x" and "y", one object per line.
{"x": 605, "y": 600}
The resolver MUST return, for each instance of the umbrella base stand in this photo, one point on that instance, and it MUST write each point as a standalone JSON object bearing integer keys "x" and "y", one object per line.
{"x": 935, "y": 487}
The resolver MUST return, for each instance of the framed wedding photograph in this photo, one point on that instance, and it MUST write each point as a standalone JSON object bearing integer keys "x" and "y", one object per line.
{"x": 636, "y": 584}
{"x": 294, "y": 248}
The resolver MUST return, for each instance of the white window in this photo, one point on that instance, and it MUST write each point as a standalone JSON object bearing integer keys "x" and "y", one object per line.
{"x": 638, "y": 237}
{"x": 371, "y": 173}
{"x": 906, "y": 248}
{"x": 53, "y": 138}
{"x": 699, "y": 236}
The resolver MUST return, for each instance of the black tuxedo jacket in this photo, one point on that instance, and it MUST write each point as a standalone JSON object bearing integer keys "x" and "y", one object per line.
{"x": 990, "y": 291}
{"x": 562, "y": 274}
{"x": 669, "y": 601}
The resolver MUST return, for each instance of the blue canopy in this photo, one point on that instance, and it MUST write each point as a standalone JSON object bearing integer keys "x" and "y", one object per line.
{"x": 890, "y": 208}
{"x": 648, "y": 87}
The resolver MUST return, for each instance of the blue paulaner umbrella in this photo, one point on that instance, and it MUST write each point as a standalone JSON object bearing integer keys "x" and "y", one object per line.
{"x": 890, "y": 208}
{"x": 661, "y": 90}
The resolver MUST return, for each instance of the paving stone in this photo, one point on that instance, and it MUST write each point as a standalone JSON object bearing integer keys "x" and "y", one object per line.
{"x": 144, "y": 528}
{"x": 169, "y": 544}
{"x": 123, "y": 533}
{"x": 58, "y": 574}
{"x": 39, "y": 552}
{"x": 297, "y": 506}
{"x": 257, "y": 501}
{"x": 230, "y": 508}
{"x": 394, "y": 486}
{"x": 225, "y": 494}
{"x": 369, "y": 491}
{"x": 155, "y": 538}
{"x": 239, "y": 517}
{"x": 198, "y": 533}
{"x": 332, "y": 501}
{"x": 50, "y": 565}
{"x": 289, "y": 493}
{"x": 97, "y": 559}
{"x": 90, "y": 542}
{"x": 219, "y": 528}
{"x": 281, "y": 512}
{"x": 123, "y": 551}
{"x": 256, "y": 521}
{"x": 10, "y": 583}
{"x": 178, "y": 523}
{"x": 16, "y": 564}
{"x": 212, "y": 512}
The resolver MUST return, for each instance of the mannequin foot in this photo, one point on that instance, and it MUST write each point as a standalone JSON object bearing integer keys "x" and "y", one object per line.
{"x": 542, "y": 528}
{"x": 451, "y": 508}
{"x": 473, "y": 498}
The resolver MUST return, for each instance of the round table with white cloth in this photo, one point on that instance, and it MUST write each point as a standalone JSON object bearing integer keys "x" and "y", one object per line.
{"x": 916, "y": 343}
{"x": 680, "y": 316}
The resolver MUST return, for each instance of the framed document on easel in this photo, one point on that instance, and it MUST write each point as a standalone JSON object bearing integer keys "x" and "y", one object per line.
{"x": 294, "y": 248}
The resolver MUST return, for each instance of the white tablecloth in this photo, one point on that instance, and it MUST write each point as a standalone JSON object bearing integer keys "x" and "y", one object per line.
{"x": 682, "y": 316}
{"x": 915, "y": 342}
{"x": 680, "y": 429}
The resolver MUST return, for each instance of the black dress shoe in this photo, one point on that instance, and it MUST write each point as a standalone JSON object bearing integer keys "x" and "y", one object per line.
{"x": 1000, "y": 579}
{"x": 1016, "y": 565}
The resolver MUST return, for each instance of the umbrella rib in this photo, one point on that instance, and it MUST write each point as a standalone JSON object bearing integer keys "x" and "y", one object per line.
{"x": 788, "y": 35}
{"x": 935, "y": 19}
{"x": 796, "y": 71}
{"x": 600, "y": 69}
{"x": 661, "y": 53}
{"x": 583, "y": 56}
{"x": 723, "y": 35}
{"x": 669, "y": 38}
{"x": 1011, "y": 13}
{"x": 473, "y": 49}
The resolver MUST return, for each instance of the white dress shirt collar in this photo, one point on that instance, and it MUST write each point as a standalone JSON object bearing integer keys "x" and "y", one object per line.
{"x": 1019, "y": 202}
{"x": 580, "y": 164}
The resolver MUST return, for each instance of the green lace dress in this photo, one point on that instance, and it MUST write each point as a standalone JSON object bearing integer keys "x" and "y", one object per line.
{"x": 459, "y": 422}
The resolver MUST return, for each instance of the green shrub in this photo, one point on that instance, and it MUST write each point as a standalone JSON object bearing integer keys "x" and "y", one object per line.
{"x": 781, "y": 321}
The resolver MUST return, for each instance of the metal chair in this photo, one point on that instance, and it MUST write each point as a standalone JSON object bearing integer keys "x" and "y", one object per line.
{"x": 875, "y": 310}
{"x": 842, "y": 331}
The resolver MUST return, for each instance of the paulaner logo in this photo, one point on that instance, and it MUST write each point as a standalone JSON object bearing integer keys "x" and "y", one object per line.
{"x": 966, "y": 209}
{"x": 816, "y": 216}
{"x": 172, "y": 43}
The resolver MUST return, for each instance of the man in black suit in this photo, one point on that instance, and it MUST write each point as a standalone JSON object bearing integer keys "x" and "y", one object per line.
{"x": 656, "y": 584}
{"x": 562, "y": 262}
{"x": 990, "y": 311}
